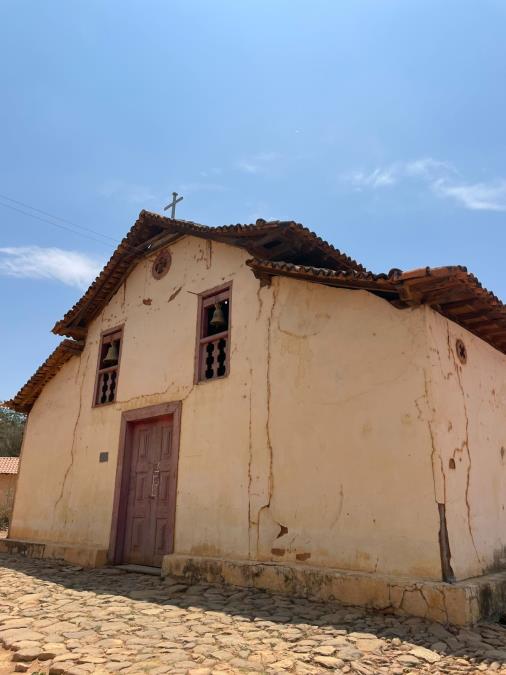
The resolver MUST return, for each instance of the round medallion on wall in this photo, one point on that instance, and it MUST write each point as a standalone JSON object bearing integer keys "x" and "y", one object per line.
{"x": 161, "y": 264}
{"x": 461, "y": 351}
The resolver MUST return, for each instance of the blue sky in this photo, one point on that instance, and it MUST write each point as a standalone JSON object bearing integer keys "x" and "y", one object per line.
{"x": 380, "y": 124}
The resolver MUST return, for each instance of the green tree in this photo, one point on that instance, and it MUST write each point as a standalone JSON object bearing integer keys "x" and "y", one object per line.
{"x": 12, "y": 425}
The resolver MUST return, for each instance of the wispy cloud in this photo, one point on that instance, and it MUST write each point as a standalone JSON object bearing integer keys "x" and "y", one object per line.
{"x": 34, "y": 262}
{"x": 475, "y": 196}
{"x": 427, "y": 168}
{"x": 259, "y": 163}
{"x": 372, "y": 179}
{"x": 442, "y": 178}
{"x": 424, "y": 168}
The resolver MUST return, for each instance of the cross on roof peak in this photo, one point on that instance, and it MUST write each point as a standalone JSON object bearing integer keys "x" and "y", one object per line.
{"x": 172, "y": 205}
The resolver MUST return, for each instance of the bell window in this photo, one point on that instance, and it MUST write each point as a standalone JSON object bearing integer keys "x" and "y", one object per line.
{"x": 108, "y": 367}
{"x": 213, "y": 339}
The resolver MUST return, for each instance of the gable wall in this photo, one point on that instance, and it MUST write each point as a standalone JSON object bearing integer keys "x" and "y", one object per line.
{"x": 157, "y": 365}
{"x": 320, "y": 428}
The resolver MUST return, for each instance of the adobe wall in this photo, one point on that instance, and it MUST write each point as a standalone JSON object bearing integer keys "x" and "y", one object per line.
{"x": 468, "y": 427}
{"x": 66, "y": 434}
{"x": 351, "y": 478}
{"x": 315, "y": 449}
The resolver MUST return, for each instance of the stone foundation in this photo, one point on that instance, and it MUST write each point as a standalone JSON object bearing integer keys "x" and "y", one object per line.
{"x": 462, "y": 603}
{"x": 86, "y": 556}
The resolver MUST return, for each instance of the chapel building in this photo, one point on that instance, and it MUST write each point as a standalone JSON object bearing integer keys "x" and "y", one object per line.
{"x": 249, "y": 404}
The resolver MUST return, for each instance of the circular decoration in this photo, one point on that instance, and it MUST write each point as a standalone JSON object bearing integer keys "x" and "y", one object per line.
{"x": 161, "y": 265}
{"x": 461, "y": 351}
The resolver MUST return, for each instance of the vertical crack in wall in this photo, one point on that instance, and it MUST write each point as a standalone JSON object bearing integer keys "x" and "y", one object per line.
{"x": 268, "y": 385}
{"x": 72, "y": 447}
{"x": 250, "y": 460}
{"x": 444, "y": 546}
{"x": 336, "y": 518}
{"x": 270, "y": 488}
{"x": 436, "y": 458}
{"x": 465, "y": 443}
{"x": 434, "y": 450}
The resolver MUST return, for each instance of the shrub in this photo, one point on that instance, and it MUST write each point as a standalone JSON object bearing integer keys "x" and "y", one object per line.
{"x": 6, "y": 505}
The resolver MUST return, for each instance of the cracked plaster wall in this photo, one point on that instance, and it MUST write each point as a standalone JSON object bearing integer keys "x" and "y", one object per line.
{"x": 65, "y": 495}
{"x": 316, "y": 449}
{"x": 468, "y": 423}
{"x": 351, "y": 468}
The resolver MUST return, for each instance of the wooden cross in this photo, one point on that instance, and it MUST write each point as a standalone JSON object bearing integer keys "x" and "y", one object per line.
{"x": 172, "y": 205}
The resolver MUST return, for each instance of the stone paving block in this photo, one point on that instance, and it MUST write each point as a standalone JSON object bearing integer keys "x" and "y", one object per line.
{"x": 82, "y": 621}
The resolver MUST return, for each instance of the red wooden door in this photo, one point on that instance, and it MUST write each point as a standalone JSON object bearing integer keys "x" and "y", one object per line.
{"x": 151, "y": 499}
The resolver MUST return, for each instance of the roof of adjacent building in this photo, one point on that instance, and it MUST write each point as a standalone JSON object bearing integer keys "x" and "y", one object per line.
{"x": 277, "y": 248}
{"x": 9, "y": 465}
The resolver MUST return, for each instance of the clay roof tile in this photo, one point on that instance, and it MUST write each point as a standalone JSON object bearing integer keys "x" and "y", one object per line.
{"x": 9, "y": 465}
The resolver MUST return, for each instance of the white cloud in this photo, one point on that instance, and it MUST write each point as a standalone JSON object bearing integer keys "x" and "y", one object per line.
{"x": 258, "y": 163}
{"x": 374, "y": 179}
{"x": 441, "y": 177}
{"x": 427, "y": 168}
{"x": 424, "y": 168}
{"x": 475, "y": 196}
{"x": 34, "y": 262}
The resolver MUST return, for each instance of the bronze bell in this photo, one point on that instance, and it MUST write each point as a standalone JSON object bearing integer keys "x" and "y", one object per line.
{"x": 218, "y": 318}
{"x": 112, "y": 355}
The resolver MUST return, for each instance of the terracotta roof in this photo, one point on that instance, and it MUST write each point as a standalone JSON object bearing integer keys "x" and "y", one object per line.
{"x": 279, "y": 248}
{"x": 273, "y": 240}
{"x": 9, "y": 464}
{"x": 382, "y": 284}
{"x": 27, "y": 395}
{"x": 451, "y": 291}
{"x": 460, "y": 297}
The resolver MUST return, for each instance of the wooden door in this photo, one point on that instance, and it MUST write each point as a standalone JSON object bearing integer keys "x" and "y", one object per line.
{"x": 150, "y": 503}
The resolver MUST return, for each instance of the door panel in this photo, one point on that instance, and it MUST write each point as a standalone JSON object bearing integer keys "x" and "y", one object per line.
{"x": 151, "y": 492}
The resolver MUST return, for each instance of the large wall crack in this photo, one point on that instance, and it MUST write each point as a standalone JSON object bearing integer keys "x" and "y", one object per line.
{"x": 270, "y": 485}
{"x": 269, "y": 394}
{"x": 444, "y": 546}
{"x": 465, "y": 443}
{"x": 78, "y": 416}
{"x": 250, "y": 461}
{"x": 434, "y": 455}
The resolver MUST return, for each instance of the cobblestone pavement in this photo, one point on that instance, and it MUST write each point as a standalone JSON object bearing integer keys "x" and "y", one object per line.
{"x": 56, "y": 618}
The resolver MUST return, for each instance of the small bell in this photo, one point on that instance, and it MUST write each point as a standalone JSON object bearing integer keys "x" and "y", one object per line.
{"x": 112, "y": 355}
{"x": 218, "y": 318}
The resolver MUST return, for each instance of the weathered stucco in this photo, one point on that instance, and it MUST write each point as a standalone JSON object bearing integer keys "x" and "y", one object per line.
{"x": 321, "y": 447}
{"x": 350, "y": 466}
{"x": 468, "y": 426}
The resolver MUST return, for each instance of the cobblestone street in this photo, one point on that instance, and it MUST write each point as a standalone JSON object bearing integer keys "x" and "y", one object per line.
{"x": 56, "y": 618}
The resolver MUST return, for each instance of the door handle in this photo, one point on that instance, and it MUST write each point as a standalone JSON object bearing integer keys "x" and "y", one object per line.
{"x": 155, "y": 481}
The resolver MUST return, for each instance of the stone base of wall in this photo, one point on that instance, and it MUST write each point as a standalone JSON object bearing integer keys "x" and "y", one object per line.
{"x": 462, "y": 603}
{"x": 78, "y": 555}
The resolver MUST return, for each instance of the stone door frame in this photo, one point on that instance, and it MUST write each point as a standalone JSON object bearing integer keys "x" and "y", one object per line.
{"x": 119, "y": 511}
